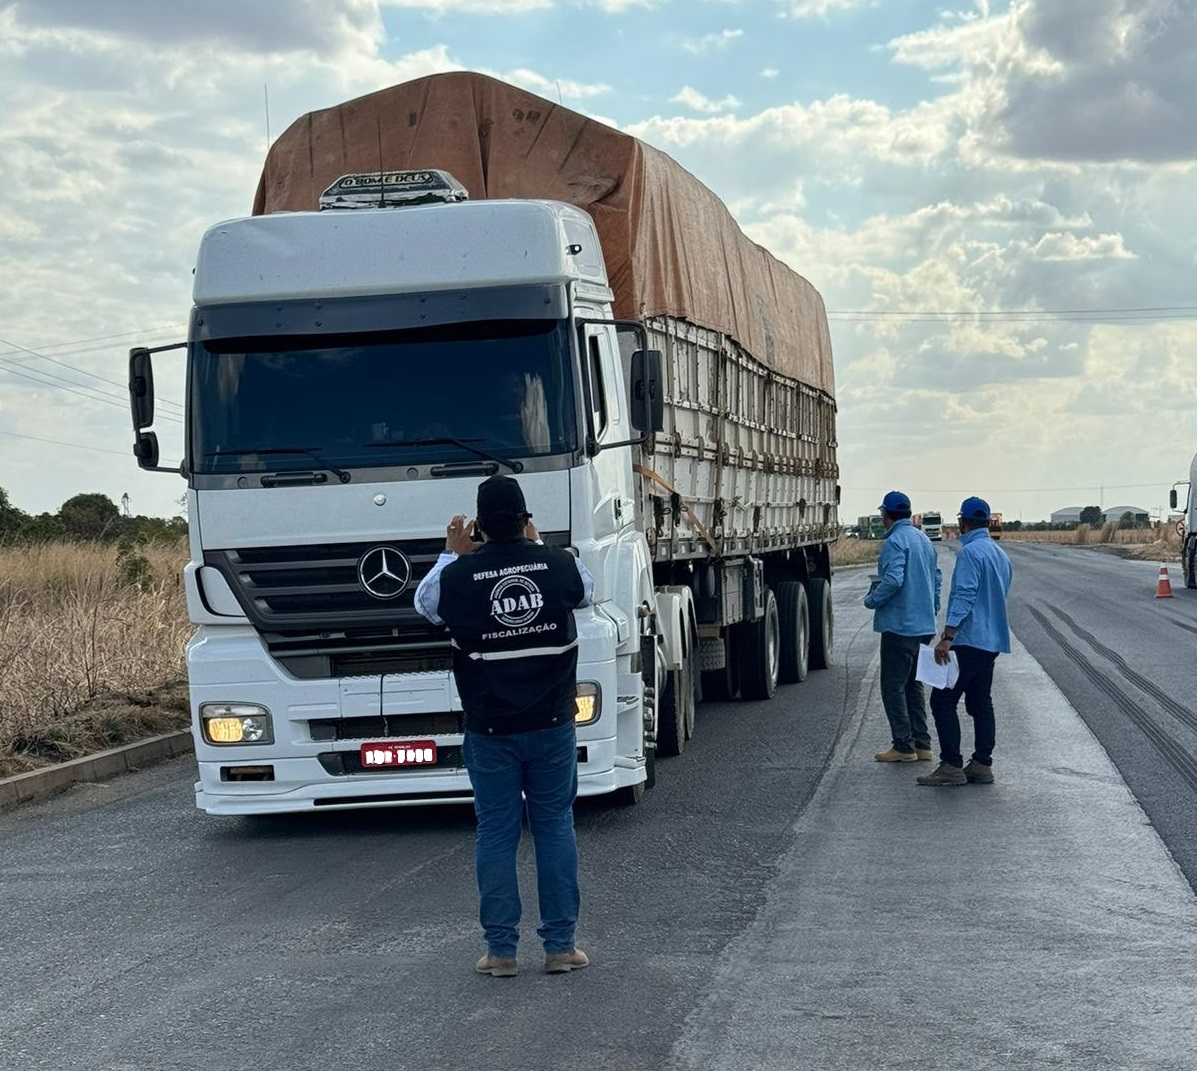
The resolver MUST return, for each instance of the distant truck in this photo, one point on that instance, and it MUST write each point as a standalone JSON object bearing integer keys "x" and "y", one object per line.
{"x": 995, "y": 526}
{"x": 870, "y": 526}
{"x": 1186, "y": 525}
{"x": 446, "y": 280}
{"x": 932, "y": 525}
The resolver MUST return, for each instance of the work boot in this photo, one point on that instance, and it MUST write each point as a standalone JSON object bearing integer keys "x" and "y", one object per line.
{"x": 924, "y": 754}
{"x": 560, "y": 962}
{"x": 894, "y": 755}
{"x": 496, "y": 966}
{"x": 977, "y": 773}
{"x": 943, "y": 775}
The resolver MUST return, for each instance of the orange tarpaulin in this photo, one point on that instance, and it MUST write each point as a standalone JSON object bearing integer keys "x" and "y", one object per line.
{"x": 671, "y": 246}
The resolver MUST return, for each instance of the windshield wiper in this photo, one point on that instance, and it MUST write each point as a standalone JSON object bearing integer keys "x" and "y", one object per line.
{"x": 449, "y": 440}
{"x": 311, "y": 451}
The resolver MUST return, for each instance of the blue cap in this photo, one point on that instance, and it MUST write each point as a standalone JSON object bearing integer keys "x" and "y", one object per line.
{"x": 974, "y": 509}
{"x": 895, "y": 502}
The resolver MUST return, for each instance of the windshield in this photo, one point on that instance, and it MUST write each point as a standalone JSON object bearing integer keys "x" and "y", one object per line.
{"x": 500, "y": 388}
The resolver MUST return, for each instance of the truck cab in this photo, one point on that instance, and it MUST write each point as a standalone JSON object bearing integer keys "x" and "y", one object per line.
{"x": 352, "y": 375}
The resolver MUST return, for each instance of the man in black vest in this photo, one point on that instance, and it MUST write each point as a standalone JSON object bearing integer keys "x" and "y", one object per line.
{"x": 508, "y": 603}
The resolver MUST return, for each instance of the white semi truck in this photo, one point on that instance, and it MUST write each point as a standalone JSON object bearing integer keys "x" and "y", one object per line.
{"x": 516, "y": 289}
{"x": 1187, "y": 525}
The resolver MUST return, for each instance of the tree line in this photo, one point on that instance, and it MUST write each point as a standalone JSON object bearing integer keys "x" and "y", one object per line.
{"x": 89, "y": 518}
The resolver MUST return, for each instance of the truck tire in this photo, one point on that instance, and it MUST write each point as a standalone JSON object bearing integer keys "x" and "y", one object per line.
{"x": 719, "y": 685}
{"x": 761, "y": 652}
{"x": 1188, "y": 563}
{"x": 822, "y": 623}
{"x": 675, "y": 723}
{"x": 794, "y": 614}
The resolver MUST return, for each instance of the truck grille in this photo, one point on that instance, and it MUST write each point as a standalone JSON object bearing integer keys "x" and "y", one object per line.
{"x": 442, "y": 723}
{"x": 318, "y": 620}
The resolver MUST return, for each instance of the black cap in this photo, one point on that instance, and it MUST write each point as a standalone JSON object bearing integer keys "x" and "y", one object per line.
{"x": 502, "y": 512}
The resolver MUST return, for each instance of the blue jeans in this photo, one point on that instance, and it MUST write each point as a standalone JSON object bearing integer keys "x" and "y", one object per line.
{"x": 975, "y": 684}
{"x": 541, "y": 769}
{"x": 901, "y": 694}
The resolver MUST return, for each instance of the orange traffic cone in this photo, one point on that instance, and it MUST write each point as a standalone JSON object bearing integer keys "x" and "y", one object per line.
{"x": 1163, "y": 587}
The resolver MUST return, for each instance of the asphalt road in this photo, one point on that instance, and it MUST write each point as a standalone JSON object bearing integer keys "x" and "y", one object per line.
{"x": 141, "y": 935}
{"x": 1126, "y": 661}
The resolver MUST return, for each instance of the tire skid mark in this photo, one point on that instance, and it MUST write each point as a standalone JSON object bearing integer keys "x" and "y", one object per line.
{"x": 1181, "y": 713}
{"x": 1178, "y": 757}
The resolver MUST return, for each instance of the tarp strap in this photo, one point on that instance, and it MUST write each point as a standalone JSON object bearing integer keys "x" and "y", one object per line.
{"x": 648, "y": 474}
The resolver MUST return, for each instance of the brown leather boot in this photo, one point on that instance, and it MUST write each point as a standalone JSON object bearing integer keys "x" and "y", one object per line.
{"x": 560, "y": 962}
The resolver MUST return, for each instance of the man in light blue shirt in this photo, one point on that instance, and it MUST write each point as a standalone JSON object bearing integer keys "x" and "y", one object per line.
{"x": 904, "y": 602}
{"x": 978, "y": 630}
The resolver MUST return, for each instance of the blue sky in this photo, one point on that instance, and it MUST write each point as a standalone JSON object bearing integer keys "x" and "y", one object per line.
{"x": 995, "y": 199}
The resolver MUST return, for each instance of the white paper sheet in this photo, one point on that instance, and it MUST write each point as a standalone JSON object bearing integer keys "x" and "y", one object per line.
{"x": 932, "y": 673}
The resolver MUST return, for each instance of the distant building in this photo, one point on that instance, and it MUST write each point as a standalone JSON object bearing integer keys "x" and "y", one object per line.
{"x": 1072, "y": 514}
{"x": 1116, "y": 513}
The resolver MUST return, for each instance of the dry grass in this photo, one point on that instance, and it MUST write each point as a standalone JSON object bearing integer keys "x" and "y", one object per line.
{"x": 91, "y": 650}
{"x": 1157, "y": 543}
{"x": 854, "y": 551}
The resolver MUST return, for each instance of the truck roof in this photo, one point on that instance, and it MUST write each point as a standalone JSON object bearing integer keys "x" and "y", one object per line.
{"x": 290, "y": 255}
{"x": 671, "y": 246}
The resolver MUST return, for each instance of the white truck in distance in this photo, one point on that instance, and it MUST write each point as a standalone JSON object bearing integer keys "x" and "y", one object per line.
{"x": 933, "y": 525}
{"x": 355, "y": 368}
{"x": 1187, "y": 526}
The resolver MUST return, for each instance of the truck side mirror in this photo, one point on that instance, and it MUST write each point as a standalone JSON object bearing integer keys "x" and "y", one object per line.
{"x": 1172, "y": 498}
{"x": 648, "y": 392}
{"x": 141, "y": 389}
{"x": 145, "y": 449}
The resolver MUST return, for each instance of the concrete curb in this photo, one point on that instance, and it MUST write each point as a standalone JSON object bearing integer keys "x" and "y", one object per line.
{"x": 37, "y": 784}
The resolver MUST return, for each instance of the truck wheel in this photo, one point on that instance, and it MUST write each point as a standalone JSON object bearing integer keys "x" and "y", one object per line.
{"x": 719, "y": 685}
{"x": 1189, "y": 563}
{"x": 675, "y": 725}
{"x": 761, "y": 640}
{"x": 822, "y": 623}
{"x": 794, "y": 614}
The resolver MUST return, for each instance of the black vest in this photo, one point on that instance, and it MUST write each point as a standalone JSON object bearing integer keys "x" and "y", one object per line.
{"x": 509, "y": 608}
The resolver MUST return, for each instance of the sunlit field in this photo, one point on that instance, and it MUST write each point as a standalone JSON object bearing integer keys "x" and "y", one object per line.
{"x": 1160, "y": 542}
{"x": 91, "y": 649}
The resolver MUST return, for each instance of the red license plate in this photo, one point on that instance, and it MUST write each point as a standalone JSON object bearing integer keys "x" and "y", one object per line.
{"x": 407, "y": 753}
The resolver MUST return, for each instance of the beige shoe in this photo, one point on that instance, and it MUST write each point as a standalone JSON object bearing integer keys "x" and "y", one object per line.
{"x": 943, "y": 775}
{"x": 977, "y": 773}
{"x": 560, "y": 962}
{"x": 893, "y": 755}
{"x": 496, "y": 966}
{"x": 924, "y": 754}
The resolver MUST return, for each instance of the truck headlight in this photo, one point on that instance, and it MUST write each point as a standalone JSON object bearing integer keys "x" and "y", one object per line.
{"x": 588, "y": 703}
{"x": 236, "y": 723}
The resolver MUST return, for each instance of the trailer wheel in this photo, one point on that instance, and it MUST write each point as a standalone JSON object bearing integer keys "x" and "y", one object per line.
{"x": 1189, "y": 563}
{"x": 719, "y": 685}
{"x": 794, "y": 614}
{"x": 675, "y": 724}
{"x": 761, "y": 649}
{"x": 822, "y": 623}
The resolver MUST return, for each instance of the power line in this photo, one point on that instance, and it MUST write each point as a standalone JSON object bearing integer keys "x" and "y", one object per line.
{"x": 97, "y": 395}
{"x": 11, "y": 364}
{"x": 74, "y": 446}
{"x": 1111, "y": 315}
{"x": 1016, "y": 490}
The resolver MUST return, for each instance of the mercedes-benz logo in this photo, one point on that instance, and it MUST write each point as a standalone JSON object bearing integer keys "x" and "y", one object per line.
{"x": 384, "y": 572}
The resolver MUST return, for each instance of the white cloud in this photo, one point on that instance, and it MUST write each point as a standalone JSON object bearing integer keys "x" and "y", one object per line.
{"x": 806, "y": 9}
{"x": 470, "y": 7}
{"x": 694, "y": 100}
{"x": 712, "y": 42}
